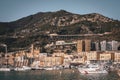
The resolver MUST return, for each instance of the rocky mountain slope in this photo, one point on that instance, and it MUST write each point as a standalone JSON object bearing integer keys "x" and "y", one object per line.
{"x": 62, "y": 20}
{"x": 33, "y": 28}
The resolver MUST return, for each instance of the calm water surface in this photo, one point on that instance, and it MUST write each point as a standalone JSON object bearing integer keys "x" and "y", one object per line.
{"x": 56, "y": 75}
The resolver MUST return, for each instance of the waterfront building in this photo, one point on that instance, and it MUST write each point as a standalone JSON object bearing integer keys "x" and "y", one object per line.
{"x": 9, "y": 59}
{"x": 47, "y": 61}
{"x": 20, "y": 61}
{"x": 78, "y": 59}
{"x": 67, "y": 60}
{"x": 91, "y": 56}
{"x": 117, "y": 57}
{"x": 106, "y": 56}
{"x": 41, "y": 60}
{"x": 53, "y": 61}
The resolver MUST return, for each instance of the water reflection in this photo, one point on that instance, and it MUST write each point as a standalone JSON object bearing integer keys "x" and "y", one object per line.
{"x": 56, "y": 75}
{"x": 110, "y": 76}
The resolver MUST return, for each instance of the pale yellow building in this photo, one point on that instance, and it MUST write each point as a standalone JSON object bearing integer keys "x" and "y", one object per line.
{"x": 91, "y": 56}
{"x": 9, "y": 59}
{"x": 117, "y": 57}
{"x": 83, "y": 45}
{"x": 52, "y": 61}
{"x": 105, "y": 56}
{"x": 67, "y": 60}
{"x": 79, "y": 46}
{"x": 83, "y": 53}
{"x": 60, "y": 54}
{"x": 79, "y": 59}
{"x": 87, "y": 45}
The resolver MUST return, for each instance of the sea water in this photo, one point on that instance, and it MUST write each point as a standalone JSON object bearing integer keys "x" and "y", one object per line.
{"x": 66, "y": 74}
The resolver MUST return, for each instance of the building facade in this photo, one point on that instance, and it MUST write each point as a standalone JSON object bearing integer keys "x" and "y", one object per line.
{"x": 87, "y": 45}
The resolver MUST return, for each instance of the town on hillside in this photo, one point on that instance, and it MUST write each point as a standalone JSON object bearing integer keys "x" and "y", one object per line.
{"x": 64, "y": 54}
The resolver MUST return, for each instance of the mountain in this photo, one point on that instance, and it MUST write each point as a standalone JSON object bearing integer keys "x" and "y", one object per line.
{"x": 33, "y": 28}
{"x": 61, "y": 21}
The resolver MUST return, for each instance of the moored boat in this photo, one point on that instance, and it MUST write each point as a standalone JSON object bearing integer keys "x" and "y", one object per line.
{"x": 27, "y": 68}
{"x": 19, "y": 69}
{"x": 24, "y": 68}
{"x": 92, "y": 68}
{"x": 4, "y": 69}
{"x": 48, "y": 68}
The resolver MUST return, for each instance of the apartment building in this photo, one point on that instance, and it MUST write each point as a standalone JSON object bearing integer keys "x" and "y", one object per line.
{"x": 91, "y": 56}
{"x": 103, "y": 45}
{"x": 53, "y": 61}
{"x": 114, "y": 45}
{"x": 87, "y": 45}
{"x": 117, "y": 57}
{"x": 97, "y": 46}
{"x": 106, "y": 56}
{"x": 79, "y": 46}
{"x": 79, "y": 59}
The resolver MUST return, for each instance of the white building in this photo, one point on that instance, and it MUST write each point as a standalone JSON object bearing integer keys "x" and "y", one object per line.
{"x": 103, "y": 45}
{"x": 60, "y": 42}
{"x": 109, "y": 46}
{"x": 97, "y": 46}
{"x": 114, "y": 45}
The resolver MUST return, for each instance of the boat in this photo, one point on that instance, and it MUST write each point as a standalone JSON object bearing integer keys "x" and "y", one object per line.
{"x": 92, "y": 68}
{"x": 19, "y": 69}
{"x": 24, "y": 68}
{"x": 52, "y": 68}
{"x": 48, "y": 68}
{"x": 5, "y": 69}
{"x": 27, "y": 68}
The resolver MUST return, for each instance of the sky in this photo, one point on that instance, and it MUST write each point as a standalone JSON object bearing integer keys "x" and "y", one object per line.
{"x": 11, "y": 10}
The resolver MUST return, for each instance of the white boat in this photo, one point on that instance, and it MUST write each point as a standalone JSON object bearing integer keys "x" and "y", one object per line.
{"x": 4, "y": 69}
{"x": 48, "y": 68}
{"x": 92, "y": 68}
{"x": 27, "y": 68}
{"x": 19, "y": 69}
{"x": 24, "y": 68}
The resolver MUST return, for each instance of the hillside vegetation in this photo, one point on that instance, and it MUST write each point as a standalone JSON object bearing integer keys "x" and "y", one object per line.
{"x": 34, "y": 28}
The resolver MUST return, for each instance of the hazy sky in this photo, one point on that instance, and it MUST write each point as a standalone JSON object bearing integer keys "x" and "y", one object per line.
{"x": 11, "y": 10}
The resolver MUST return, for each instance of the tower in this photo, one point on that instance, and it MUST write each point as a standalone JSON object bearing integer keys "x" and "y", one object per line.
{"x": 87, "y": 45}
{"x": 79, "y": 46}
{"x": 103, "y": 45}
